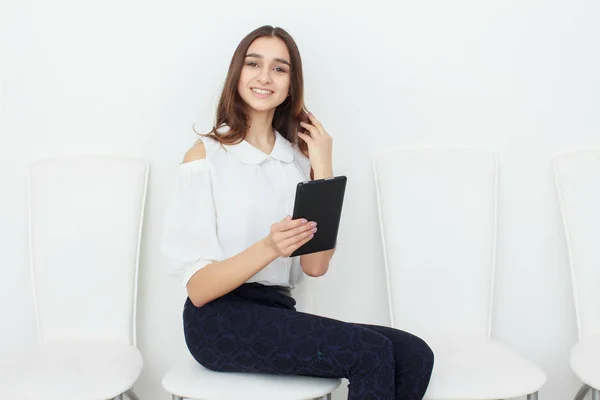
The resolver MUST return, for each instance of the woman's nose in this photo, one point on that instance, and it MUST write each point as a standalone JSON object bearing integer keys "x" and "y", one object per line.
{"x": 264, "y": 77}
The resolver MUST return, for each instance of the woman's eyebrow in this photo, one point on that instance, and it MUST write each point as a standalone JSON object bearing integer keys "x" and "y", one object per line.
{"x": 281, "y": 60}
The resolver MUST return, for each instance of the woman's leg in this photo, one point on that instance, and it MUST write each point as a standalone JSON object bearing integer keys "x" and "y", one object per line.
{"x": 234, "y": 334}
{"x": 413, "y": 362}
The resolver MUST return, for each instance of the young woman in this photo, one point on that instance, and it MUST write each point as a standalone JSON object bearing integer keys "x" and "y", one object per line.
{"x": 229, "y": 227}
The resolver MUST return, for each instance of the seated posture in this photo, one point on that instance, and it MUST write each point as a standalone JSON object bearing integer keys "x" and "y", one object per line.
{"x": 228, "y": 224}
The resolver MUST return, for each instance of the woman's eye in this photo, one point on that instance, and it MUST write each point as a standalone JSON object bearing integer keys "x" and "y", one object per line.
{"x": 254, "y": 64}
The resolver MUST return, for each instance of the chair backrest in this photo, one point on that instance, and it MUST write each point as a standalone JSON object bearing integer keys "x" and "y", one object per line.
{"x": 577, "y": 178}
{"x": 437, "y": 215}
{"x": 86, "y": 216}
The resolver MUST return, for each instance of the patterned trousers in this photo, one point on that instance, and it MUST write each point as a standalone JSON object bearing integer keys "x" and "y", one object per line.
{"x": 256, "y": 328}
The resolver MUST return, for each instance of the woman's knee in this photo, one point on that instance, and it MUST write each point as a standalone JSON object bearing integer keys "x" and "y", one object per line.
{"x": 410, "y": 347}
{"x": 422, "y": 351}
{"x": 377, "y": 347}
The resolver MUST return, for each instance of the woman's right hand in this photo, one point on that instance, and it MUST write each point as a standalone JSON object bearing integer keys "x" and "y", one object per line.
{"x": 288, "y": 235}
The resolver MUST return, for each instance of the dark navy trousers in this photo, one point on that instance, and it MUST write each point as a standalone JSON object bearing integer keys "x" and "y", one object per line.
{"x": 256, "y": 328}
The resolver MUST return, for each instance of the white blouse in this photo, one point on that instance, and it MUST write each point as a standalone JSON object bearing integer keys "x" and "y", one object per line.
{"x": 221, "y": 205}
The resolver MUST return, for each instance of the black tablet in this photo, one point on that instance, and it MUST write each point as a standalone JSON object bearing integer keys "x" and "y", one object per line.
{"x": 320, "y": 201}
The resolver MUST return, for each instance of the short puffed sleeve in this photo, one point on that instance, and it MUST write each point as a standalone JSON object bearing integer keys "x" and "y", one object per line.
{"x": 189, "y": 236}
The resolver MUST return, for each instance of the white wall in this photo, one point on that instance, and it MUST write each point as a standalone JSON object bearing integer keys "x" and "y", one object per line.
{"x": 518, "y": 77}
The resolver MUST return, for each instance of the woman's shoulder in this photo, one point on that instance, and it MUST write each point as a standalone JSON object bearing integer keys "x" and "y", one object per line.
{"x": 203, "y": 149}
{"x": 195, "y": 153}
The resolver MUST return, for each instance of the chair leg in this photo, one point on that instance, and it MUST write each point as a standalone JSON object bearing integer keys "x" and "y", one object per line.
{"x": 131, "y": 394}
{"x": 534, "y": 396}
{"x": 175, "y": 397}
{"x": 582, "y": 392}
{"x": 595, "y": 394}
{"x": 119, "y": 397}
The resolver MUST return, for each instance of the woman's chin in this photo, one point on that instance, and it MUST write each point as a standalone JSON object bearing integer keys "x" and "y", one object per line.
{"x": 261, "y": 108}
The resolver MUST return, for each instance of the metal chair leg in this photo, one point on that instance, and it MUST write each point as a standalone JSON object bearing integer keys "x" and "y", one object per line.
{"x": 533, "y": 396}
{"x": 119, "y": 397}
{"x": 595, "y": 394}
{"x": 131, "y": 394}
{"x": 582, "y": 392}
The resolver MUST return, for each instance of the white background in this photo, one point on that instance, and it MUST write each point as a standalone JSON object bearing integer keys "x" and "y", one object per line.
{"x": 515, "y": 76}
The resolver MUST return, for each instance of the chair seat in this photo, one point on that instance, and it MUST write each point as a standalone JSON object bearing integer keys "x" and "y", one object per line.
{"x": 475, "y": 367}
{"x": 584, "y": 360}
{"x": 78, "y": 370}
{"x": 191, "y": 380}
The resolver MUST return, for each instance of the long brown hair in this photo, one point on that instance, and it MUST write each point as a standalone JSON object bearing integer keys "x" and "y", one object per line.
{"x": 288, "y": 114}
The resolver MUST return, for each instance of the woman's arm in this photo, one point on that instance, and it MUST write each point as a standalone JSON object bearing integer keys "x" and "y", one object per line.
{"x": 221, "y": 277}
{"x": 319, "y": 144}
{"x": 316, "y": 264}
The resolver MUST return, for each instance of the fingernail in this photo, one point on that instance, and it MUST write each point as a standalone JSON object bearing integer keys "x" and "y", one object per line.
{"x": 303, "y": 221}
{"x": 313, "y": 224}
{"x": 313, "y": 230}
{"x": 311, "y": 236}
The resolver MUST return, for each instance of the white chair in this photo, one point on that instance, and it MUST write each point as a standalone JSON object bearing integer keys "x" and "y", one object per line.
{"x": 85, "y": 217}
{"x": 577, "y": 178}
{"x": 190, "y": 380}
{"x": 437, "y": 215}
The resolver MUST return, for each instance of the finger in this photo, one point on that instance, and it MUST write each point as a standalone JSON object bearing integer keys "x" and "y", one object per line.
{"x": 281, "y": 225}
{"x": 317, "y": 123}
{"x": 292, "y": 223}
{"x": 284, "y": 244}
{"x": 311, "y": 128}
{"x": 290, "y": 233}
{"x": 294, "y": 247}
{"x": 305, "y": 137}
{"x": 295, "y": 242}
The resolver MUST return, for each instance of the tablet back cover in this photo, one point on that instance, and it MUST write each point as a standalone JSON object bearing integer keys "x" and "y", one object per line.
{"x": 321, "y": 201}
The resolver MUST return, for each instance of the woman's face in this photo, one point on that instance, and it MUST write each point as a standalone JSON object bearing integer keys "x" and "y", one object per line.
{"x": 265, "y": 77}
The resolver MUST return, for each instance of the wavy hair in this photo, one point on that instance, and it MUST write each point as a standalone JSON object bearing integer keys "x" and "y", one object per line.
{"x": 288, "y": 115}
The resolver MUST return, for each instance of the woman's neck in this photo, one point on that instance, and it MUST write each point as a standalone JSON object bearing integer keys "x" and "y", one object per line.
{"x": 260, "y": 134}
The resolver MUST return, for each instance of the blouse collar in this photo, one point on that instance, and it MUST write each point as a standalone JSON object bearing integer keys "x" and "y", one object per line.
{"x": 248, "y": 154}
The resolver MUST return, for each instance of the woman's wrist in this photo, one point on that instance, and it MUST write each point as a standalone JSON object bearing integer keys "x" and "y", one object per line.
{"x": 267, "y": 249}
{"x": 322, "y": 171}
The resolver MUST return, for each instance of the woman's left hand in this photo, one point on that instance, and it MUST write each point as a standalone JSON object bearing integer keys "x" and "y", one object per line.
{"x": 319, "y": 147}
